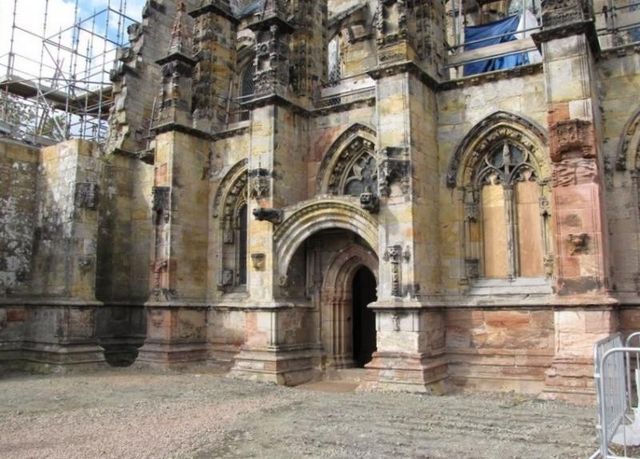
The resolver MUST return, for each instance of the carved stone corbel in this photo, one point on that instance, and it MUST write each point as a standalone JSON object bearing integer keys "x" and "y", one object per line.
{"x": 274, "y": 216}
{"x": 578, "y": 243}
{"x": 370, "y": 202}
{"x": 393, "y": 165}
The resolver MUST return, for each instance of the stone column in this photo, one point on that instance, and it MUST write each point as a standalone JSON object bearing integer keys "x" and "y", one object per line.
{"x": 585, "y": 313}
{"x": 410, "y": 336}
{"x": 176, "y": 311}
{"x": 279, "y": 341}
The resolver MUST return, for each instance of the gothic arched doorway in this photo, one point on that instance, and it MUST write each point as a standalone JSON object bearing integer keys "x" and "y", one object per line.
{"x": 363, "y": 318}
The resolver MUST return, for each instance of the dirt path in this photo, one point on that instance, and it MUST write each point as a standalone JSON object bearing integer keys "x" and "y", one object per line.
{"x": 137, "y": 414}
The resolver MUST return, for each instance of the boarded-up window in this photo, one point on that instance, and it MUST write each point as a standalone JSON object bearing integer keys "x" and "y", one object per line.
{"x": 494, "y": 231}
{"x": 507, "y": 192}
{"x": 530, "y": 247}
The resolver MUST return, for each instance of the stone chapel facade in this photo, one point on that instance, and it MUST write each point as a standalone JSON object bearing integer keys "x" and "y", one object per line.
{"x": 292, "y": 187}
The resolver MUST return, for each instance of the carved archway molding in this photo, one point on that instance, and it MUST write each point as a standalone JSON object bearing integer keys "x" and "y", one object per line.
{"x": 628, "y": 154}
{"x": 323, "y": 212}
{"x": 230, "y": 187}
{"x": 345, "y": 149}
{"x": 487, "y": 134}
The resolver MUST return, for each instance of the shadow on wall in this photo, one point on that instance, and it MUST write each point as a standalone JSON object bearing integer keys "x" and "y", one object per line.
{"x": 121, "y": 331}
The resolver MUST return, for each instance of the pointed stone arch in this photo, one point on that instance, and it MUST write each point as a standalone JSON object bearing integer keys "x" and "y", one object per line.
{"x": 503, "y": 173}
{"x": 336, "y": 305}
{"x": 229, "y": 207}
{"x": 628, "y": 154}
{"x": 352, "y": 144}
{"x": 488, "y": 133}
{"x": 315, "y": 215}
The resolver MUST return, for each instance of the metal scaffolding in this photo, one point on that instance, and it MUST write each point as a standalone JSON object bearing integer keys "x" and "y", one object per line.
{"x": 61, "y": 89}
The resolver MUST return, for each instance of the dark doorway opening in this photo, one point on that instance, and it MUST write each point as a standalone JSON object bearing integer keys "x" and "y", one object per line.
{"x": 364, "y": 319}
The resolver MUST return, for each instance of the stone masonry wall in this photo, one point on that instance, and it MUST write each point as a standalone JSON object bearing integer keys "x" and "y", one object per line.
{"x": 459, "y": 110}
{"x": 18, "y": 179}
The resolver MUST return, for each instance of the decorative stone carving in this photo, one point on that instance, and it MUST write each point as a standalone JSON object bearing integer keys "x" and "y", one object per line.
{"x": 370, "y": 202}
{"x": 394, "y": 165}
{"x": 354, "y": 171}
{"x": 274, "y": 216}
{"x": 572, "y": 136}
{"x": 259, "y": 183}
{"x": 258, "y": 261}
{"x": 484, "y": 137}
{"x": 86, "y": 196}
{"x": 271, "y": 59}
{"x": 161, "y": 203}
{"x": 160, "y": 290}
{"x": 391, "y": 21}
{"x": 343, "y": 145}
{"x": 574, "y": 171}
{"x": 545, "y": 206}
{"x": 563, "y": 12}
{"x": 578, "y": 243}
{"x": 549, "y": 262}
{"x": 393, "y": 255}
{"x": 230, "y": 189}
{"x": 629, "y": 146}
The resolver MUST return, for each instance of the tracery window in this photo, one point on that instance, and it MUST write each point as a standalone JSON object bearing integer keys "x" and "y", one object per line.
{"x": 507, "y": 213}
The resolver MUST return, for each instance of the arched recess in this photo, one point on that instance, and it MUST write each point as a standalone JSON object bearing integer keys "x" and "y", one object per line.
{"x": 623, "y": 201}
{"x": 628, "y": 154}
{"x": 502, "y": 171}
{"x": 345, "y": 152}
{"x": 316, "y": 215}
{"x": 337, "y": 303}
{"x": 229, "y": 208}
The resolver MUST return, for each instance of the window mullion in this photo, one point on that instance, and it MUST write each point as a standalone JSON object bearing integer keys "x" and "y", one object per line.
{"x": 511, "y": 223}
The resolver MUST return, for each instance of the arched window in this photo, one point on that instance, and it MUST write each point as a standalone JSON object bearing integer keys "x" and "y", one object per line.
{"x": 230, "y": 208}
{"x": 334, "y": 60}
{"x": 504, "y": 180}
{"x": 246, "y": 84}
{"x": 506, "y": 193}
{"x": 241, "y": 225}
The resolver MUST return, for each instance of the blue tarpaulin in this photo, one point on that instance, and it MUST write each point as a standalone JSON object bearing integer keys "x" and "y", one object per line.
{"x": 491, "y": 34}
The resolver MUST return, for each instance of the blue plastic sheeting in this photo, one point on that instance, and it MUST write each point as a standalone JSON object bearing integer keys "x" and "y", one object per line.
{"x": 491, "y": 34}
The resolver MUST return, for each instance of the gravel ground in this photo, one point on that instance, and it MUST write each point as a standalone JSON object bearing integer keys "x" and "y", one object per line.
{"x": 144, "y": 414}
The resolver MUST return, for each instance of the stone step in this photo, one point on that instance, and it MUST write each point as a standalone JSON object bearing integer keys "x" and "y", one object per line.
{"x": 354, "y": 375}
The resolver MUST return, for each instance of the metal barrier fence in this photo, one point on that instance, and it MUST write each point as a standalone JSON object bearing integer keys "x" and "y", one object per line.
{"x": 615, "y": 395}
